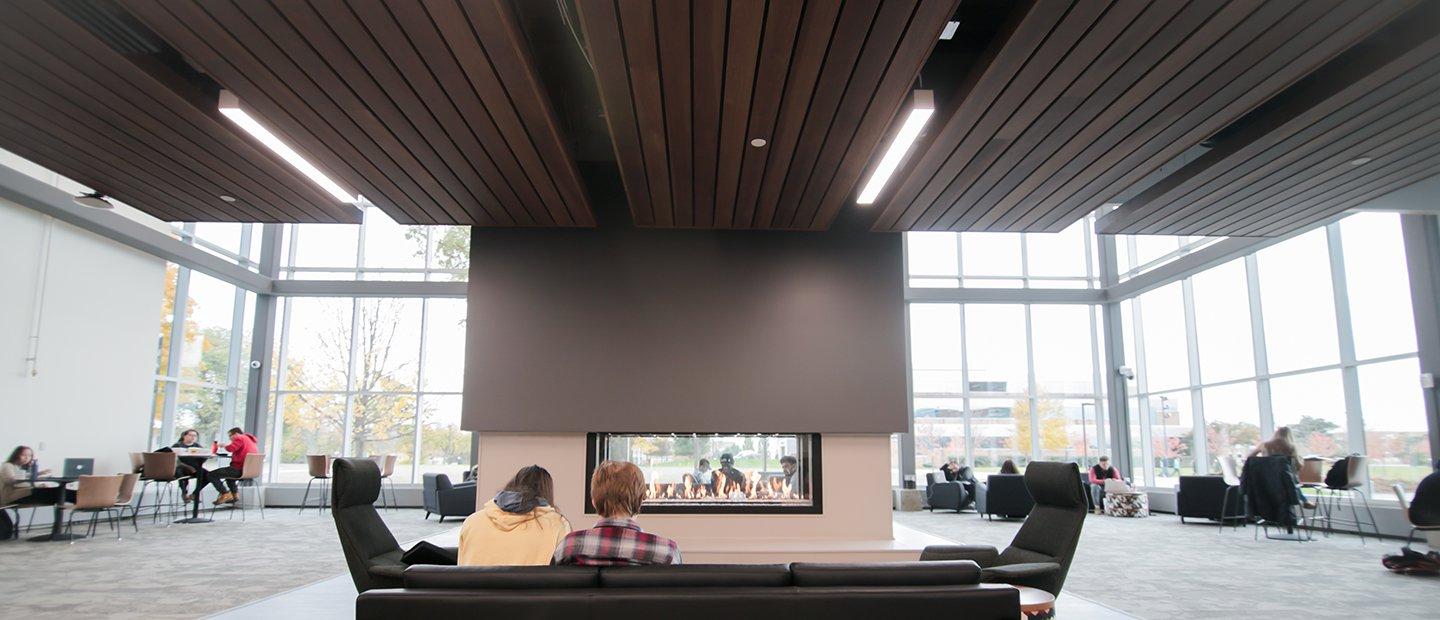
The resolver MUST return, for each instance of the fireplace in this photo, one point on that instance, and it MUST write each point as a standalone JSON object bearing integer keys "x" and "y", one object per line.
{"x": 717, "y": 473}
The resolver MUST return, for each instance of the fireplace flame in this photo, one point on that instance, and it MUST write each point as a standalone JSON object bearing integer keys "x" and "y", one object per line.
{"x": 746, "y": 488}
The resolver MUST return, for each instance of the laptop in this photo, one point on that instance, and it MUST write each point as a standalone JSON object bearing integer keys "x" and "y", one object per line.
{"x": 79, "y": 467}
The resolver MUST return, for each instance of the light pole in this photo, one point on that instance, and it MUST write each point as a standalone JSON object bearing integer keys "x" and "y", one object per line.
{"x": 1084, "y": 435}
{"x": 1165, "y": 433}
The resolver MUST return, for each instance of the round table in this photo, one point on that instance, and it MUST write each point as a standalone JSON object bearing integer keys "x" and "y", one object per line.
{"x": 199, "y": 483}
{"x": 1036, "y": 604}
{"x": 55, "y": 534}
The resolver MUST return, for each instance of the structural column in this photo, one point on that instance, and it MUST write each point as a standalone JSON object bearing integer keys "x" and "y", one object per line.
{"x": 262, "y": 343}
{"x": 1422, "y": 254}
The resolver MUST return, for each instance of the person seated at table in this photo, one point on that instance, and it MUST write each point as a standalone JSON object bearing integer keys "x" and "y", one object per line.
{"x": 241, "y": 444}
{"x": 1099, "y": 473}
{"x": 189, "y": 467}
{"x": 1008, "y": 467}
{"x": 1280, "y": 444}
{"x": 616, "y": 490}
{"x": 15, "y": 486}
{"x": 518, "y": 527}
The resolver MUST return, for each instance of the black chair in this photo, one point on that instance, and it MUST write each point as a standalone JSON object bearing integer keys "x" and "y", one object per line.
{"x": 447, "y": 500}
{"x": 1272, "y": 495}
{"x": 949, "y": 495}
{"x": 1005, "y": 495}
{"x": 1205, "y": 497}
{"x": 1040, "y": 554}
{"x": 371, "y": 553}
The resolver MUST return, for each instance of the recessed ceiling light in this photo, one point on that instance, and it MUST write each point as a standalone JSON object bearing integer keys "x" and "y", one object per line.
{"x": 757, "y": 142}
{"x": 227, "y": 198}
{"x": 94, "y": 200}
{"x": 230, "y": 107}
{"x": 921, "y": 108}
{"x": 949, "y": 31}
{"x": 1360, "y": 161}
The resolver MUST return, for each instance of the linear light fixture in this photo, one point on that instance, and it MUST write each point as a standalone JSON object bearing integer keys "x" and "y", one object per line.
{"x": 922, "y": 107}
{"x": 230, "y": 107}
{"x": 949, "y": 31}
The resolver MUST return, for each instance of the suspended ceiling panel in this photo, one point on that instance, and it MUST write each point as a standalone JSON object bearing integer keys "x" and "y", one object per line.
{"x": 1081, "y": 100}
{"x": 431, "y": 110}
{"x": 77, "y": 104}
{"x": 1364, "y": 125}
{"x": 687, "y": 87}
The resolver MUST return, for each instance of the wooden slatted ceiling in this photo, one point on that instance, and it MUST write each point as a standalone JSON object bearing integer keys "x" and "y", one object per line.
{"x": 432, "y": 110}
{"x": 1082, "y": 99}
{"x": 1295, "y": 161}
{"x": 73, "y": 104}
{"x": 687, "y": 86}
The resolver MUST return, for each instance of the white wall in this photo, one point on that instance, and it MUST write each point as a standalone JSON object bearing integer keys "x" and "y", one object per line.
{"x": 91, "y": 395}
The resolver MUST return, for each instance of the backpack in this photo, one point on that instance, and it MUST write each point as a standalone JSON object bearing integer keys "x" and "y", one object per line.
{"x": 1339, "y": 475}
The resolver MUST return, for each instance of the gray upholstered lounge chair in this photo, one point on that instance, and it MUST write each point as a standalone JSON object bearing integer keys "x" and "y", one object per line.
{"x": 1040, "y": 555}
{"x": 371, "y": 552}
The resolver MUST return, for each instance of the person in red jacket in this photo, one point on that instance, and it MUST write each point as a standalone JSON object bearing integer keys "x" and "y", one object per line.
{"x": 241, "y": 444}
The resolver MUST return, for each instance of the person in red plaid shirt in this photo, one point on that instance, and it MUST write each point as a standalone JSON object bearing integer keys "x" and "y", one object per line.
{"x": 616, "y": 489}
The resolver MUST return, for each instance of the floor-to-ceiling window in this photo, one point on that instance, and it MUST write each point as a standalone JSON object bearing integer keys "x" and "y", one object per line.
{"x": 370, "y": 376}
{"x": 1315, "y": 333}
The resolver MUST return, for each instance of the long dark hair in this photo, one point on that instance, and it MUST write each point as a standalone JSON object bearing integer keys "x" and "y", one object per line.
{"x": 533, "y": 483}
{"x": 15, "y": 456}
{"x": 1008, "y": 467}
{"x": 187, "y": 431}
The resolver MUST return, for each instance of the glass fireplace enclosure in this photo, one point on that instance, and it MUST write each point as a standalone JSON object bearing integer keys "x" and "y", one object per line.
{"x": 717, "y": 473}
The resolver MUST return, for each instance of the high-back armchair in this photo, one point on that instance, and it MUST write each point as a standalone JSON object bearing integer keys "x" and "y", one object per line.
{"x": 1042, "y": 550}
{"x": 446, "y": 499}
{"x": 371, "y": 553}
{"x": 945, "y": 494}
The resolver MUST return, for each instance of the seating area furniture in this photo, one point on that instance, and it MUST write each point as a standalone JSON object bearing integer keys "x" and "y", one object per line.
{"x": 1342, "y": 485}
{"x": 249, "y": 478}
{"x": 370, "y": 549}
{"x": 319, "y": 466}
{"x": 1272, "y": 498}
{"x": 387, "y": 469}
{"x": 948, "y": 495}
{"x": 1423, "y": 513}
{"x": 907, "y": 500}
{"x": 799, "y": 590}
{"x": 445, "y": 499}
{"x": 1005, "y": 496}
{"x": 94, "y": 495}
{"x": 159, "y": 471}
{"x": 127, "y": 493}
{"x": 1127, "y": 504}
{"x": 1040, "y": 554}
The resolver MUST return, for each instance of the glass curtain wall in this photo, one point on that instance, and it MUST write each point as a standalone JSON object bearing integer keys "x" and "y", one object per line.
{"x": 362, "y": 377}
{"x": 203, "y": 343}
{"x": 1315, "y": 333}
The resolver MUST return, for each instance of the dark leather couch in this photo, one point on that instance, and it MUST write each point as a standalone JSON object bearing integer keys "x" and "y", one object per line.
{"x": 694, "y": 592}
{"x": 446, "y": 499}
{"x": 1003, "y": 495}
{"x": 1200, "y": 497}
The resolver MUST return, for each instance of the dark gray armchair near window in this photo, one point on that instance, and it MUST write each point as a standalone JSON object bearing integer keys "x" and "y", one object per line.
{"x": 1003, "y": 495}
{"x": 949, "y": 495}
{"x": 1041, "y": 552}
{"x": 446, "y": 499}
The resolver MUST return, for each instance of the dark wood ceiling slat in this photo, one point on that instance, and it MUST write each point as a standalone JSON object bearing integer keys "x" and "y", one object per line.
{"x": 1309, "y": 118}
{"x": 1378, "y": 122}
{"x": 850, "y": 32}
{"x": 816, "y": 31}
{"x": 600, "y": 20}
{"x": 886, "y": 34}
{"x": 782, "y": 23}
{"x": 1395, "y": 176}
{"x": 909, "y": 58}
{"x": 69, "y": 53}
{"x": 708, "y": 25}
{"x": 742, "y": 52}
{"x": 509, "y": 56}
{"x": 1069, "y": 48}
{"x": 637, "y": 25}
{"x": 1022, "y": 37}
{"x": 1254, "y": 74}
{"x": 672, "y": 21}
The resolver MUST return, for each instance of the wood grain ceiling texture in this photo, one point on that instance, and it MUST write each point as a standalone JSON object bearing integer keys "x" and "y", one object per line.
{"x": 73, "y": 104}
{"x": 1364, "y": 125}
{"x": 687, "y": 86}
{"x": 431, "y": 110}
{"x": 1083, "y": 99}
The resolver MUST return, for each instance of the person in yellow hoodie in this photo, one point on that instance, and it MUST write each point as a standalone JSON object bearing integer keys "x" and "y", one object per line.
{"x": 519, "y": 527}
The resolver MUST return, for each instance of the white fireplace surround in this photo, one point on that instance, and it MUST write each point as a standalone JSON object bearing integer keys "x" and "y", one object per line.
{"x": 855, "y": 526}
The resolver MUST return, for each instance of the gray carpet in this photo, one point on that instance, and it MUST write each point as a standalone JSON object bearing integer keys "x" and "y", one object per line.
{"x": 183, "y": 571}
{"x": 1159, "y": 568}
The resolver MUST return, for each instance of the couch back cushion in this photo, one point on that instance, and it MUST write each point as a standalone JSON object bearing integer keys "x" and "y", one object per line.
{"x": 696, "y": 576}
{"x": 501, "y": 577}
{"x": 935, "y": 573}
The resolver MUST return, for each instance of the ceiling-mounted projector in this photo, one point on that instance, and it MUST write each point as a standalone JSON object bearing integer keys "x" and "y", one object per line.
{"x": 94, "y": 200}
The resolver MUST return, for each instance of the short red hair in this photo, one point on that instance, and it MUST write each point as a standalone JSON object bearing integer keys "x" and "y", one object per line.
{"x": 617, "y": 488}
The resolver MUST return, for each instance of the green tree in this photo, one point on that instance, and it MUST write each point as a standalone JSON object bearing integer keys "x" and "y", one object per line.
{"x": 452, "y": 246}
